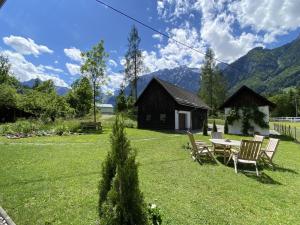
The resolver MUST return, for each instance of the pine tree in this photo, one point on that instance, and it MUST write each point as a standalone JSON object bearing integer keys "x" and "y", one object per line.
{"x": 215, "y": 129}
{"x": 121, "y": 201}
{"x": 134, "y": 61}
{"x": 226, "y": 127}
{"x": 213, "y": 84}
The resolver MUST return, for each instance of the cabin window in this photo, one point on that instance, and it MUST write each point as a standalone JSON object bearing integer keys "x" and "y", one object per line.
{"x": 148, "y": 117}
{"x": 162, "y": 118}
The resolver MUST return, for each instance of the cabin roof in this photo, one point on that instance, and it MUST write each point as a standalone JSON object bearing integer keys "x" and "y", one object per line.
{"x": 180, "y": 95}
{"x": 254, "y": 98}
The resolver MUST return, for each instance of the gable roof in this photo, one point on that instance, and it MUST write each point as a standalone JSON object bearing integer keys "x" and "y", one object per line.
{"x": 254, "y": 98}
{"x": 181, "y": 96}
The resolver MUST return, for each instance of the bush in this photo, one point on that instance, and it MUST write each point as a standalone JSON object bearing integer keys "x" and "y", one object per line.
{"x": 62, "y": 129}
{"x": 205, "y": 128}
{"x": 214, "y": 129}
{"x": 155, "y": 215}
{"x": 226, "y": 127}
{"x": 19, "y": 127}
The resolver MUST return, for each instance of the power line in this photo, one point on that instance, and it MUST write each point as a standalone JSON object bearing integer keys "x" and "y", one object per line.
{"x": 165, "y": 35}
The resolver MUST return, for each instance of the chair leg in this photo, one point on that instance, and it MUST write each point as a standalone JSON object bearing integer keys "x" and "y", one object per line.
{"x": 257, "y": 173}
{"x": 230, "y": 157}
{"x": 235, "y": 165}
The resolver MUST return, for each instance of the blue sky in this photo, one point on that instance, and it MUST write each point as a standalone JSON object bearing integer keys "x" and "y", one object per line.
{"x": 44, "y": 38}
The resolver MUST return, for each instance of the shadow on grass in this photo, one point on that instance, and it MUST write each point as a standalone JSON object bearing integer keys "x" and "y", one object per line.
{"x": 282, "y": 137}
{"x": 263, "y": 178}
{"x": 249, "y": 171}
{"x": 280, "y": 169}
{"x": 48, "y": 179}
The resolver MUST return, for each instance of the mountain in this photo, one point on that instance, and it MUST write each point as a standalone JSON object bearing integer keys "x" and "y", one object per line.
{"x": 183, "y": 76}
{"x": 266, "y": 70}
{"x": 59, "y": 90}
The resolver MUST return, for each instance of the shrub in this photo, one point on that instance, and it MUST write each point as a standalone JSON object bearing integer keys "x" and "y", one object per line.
{"x": 214, "y": 129}
{"x": 121, "y": 201}
{"x": 60, "y": 130}
{"x": 155, "y": 215}
{"x": 204, "y": 130}
{"x": 226, "y": 127}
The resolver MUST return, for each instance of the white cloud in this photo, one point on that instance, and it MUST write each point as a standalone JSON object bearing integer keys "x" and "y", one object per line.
{"x": 157, "y": 37}
{"x": 114, "y": 82}
{"x": 112, "y": 63}
{"x": 51, "y": 68}
{"x": 26, "y": 46}
{"x": 122, "y": 61}
{"x": 230, "y": 27}
{"x": 74, "y": 54}
{"x": 74, "y": 69}
{"x": 24, "y": 70}
{"x": 174, "y": 54}
{"x": 271, "y": 16}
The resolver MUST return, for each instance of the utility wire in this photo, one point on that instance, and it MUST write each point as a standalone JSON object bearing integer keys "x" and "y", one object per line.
{"x": 164, "y": 34}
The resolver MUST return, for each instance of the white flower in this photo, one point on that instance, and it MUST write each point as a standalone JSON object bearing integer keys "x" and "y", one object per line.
{"x": 153, "y": 206}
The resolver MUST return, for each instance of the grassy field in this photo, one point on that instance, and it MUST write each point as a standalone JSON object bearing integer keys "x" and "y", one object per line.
{"x": 53, "y": 180}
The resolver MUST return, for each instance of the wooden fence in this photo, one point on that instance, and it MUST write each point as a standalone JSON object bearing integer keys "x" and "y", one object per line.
{"x": 288, "y": 130}
{"x": 285, "y": 119}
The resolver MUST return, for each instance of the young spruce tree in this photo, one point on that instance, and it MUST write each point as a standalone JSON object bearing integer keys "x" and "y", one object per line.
{"x": 121, "y": 201}
{"x": 214, "y": 129}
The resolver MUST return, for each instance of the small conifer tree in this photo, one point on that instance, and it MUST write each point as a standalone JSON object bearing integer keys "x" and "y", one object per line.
{"x": 226, "y": 127}
{"x": 121, "y": 201}
{"x": 205, "y": 127}
{"x": 215, "y": 129}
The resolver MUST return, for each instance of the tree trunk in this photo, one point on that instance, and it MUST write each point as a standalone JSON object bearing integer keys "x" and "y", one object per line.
{"x": 135, "y": 77}
{"x": 94, "y": 84}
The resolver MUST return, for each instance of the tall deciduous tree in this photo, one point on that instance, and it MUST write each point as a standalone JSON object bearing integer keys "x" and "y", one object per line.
{"x": 121, "y": 101}
{"x": 5, "y": 73}
{"x": 121, "y": 201}
{"x": 80, "y": 97}
{"x": 213, "y": 84}
{"x": 94, "y": 68}
{"x": 134, "y": 61}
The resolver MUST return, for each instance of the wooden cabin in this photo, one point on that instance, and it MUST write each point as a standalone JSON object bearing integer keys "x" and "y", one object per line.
{"x": 164, "y": 106}
{"x": 246, "y": 97}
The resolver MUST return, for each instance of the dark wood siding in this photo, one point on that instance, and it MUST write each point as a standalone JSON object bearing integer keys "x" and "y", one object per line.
{"x": 156, "y": 109}
{"x": 154, "y": 105}
{"x": 197, "y": 115}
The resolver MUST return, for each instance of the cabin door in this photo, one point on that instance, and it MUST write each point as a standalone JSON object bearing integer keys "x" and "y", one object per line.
{"x": 182, "y": 121}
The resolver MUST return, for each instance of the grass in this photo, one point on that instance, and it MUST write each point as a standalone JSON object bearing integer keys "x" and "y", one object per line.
{"x": 53, "y": 180}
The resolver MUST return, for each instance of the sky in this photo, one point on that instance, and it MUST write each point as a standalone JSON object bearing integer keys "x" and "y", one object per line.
{"x": 43, "y": 39}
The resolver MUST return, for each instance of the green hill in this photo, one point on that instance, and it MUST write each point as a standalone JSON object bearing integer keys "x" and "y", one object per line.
{"x": 266, "y": 70}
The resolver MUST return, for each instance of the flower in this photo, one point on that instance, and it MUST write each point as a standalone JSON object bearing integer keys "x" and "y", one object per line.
{"x": 153, "y": 206}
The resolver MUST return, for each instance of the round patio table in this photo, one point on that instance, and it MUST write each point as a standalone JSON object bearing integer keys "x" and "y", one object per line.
{"x": 226, "y": 143}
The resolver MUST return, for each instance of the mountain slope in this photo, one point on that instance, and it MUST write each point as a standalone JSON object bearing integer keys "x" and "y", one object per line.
{"x": 266, "y": 70}
{"x": 59, "y": 90}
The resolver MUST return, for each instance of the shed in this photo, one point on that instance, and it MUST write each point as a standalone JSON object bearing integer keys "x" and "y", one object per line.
{"x": 246, "y": 98}
{"x": 164, "y": 106}
{"x": 106, "y": 108}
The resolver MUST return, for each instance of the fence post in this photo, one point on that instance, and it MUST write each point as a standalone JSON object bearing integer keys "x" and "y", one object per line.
{"x": 295, "y": 134}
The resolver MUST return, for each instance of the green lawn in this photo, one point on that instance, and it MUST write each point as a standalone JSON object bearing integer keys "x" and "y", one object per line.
{"x": 53, "y": 180}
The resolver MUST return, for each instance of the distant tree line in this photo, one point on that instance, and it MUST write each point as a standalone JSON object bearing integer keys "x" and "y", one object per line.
{"x": 41, "y": 100}
{"x": 287, "y": 103}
